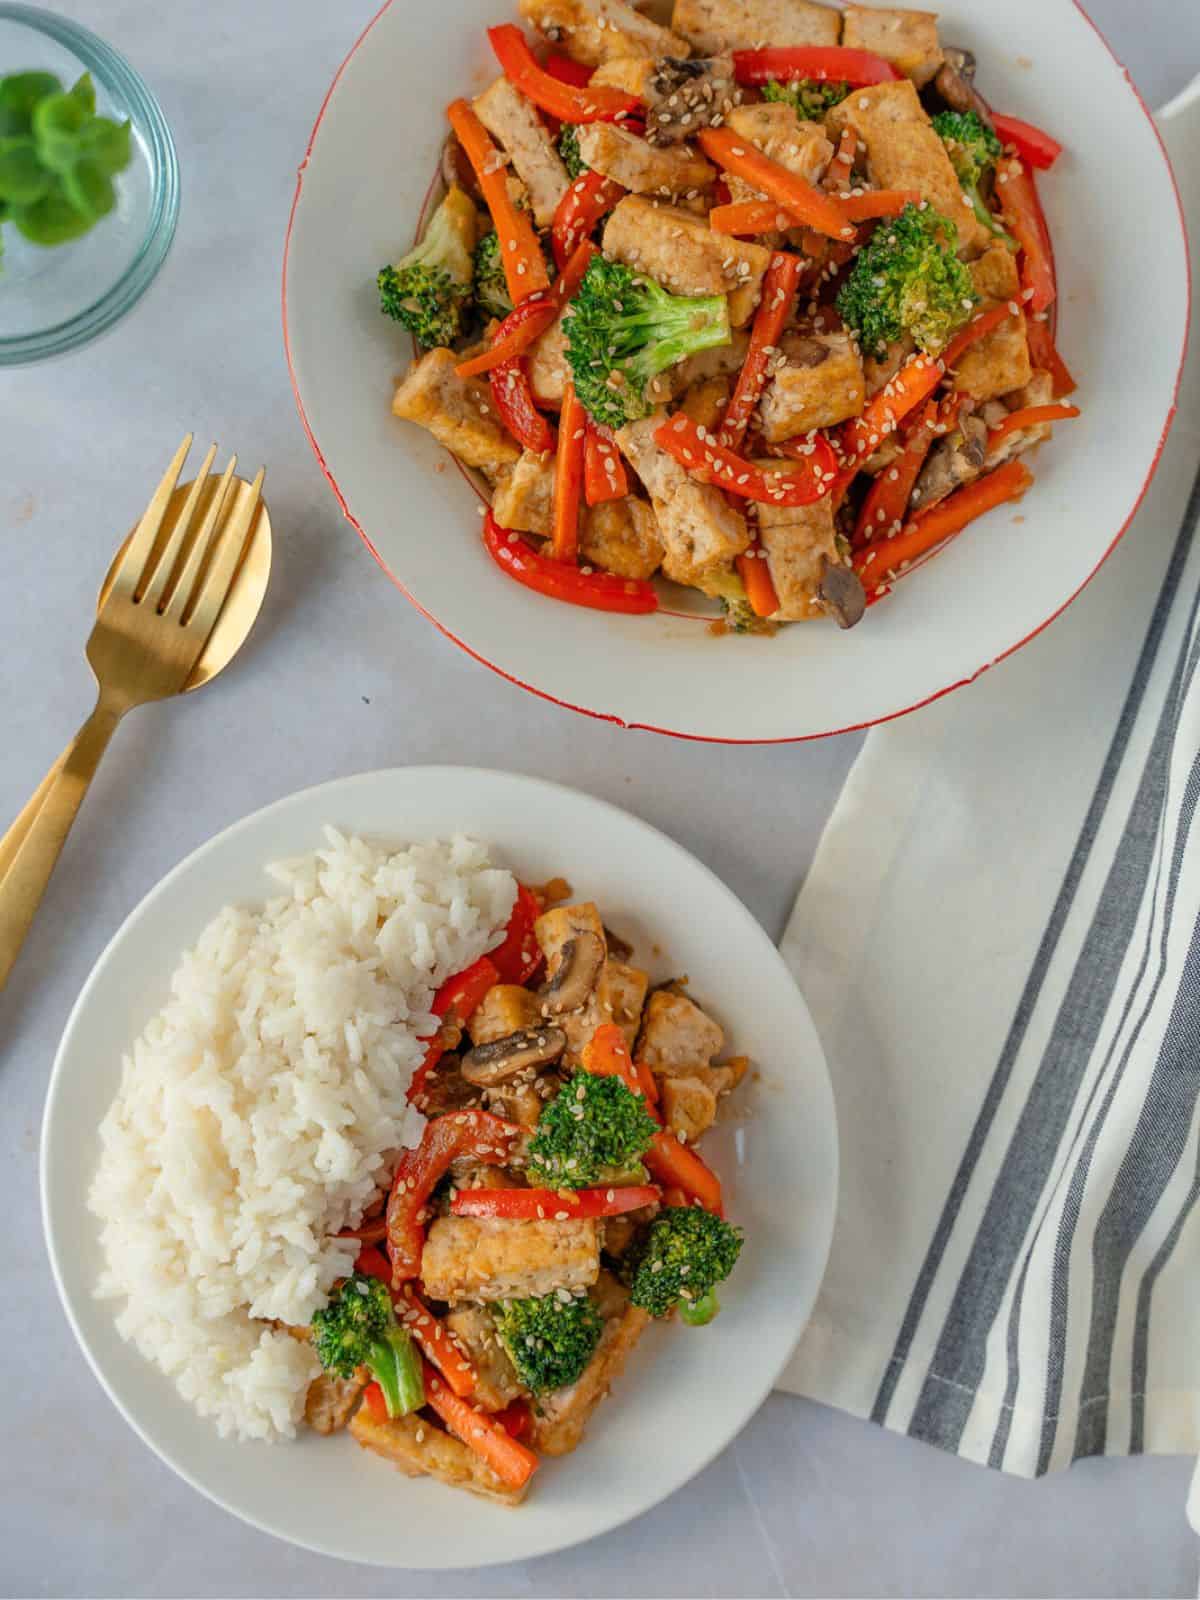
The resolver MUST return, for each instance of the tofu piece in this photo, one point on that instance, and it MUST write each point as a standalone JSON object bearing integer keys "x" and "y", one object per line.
{"x": 421, "y": 1449}
{"x": 546, "y": 364}
{"x": 643, "y": 168}
{"x": 903, "y": 152}
{"x": 711, "y": 26}
{"x": 701, "y": 532}
{"x": 524, "y": 497}
{"x": 908, "y": 39}
{"x": 706, "y": 402}
{"x": 330, "y": 1402}
{"x": 495, "y": 1258}
{"x": 621, "y": 536}
{"x": 722, "y": 361}
{"x": 627, "y": 987}
{"x": 689, "y": 1103}
{"x": 682, "y": 253}
{"x": 631, "y": 73}
{"x": 1039, "y": 391}
{"x": 799, "y": 541}
{"x": 475, "y": 1332}
{"x": 458, "y": 412}
{"x": 1000, "y": 360}
{"x": 515, "y": 125}
{"x": 677, "y": 1036}
{"x": 780, "y": 134}
{"x": 595, "y": 31}
{"x": 559, "y": 1421}
{"x": 821, "y": 383}
{"x": 506, "y": 1008}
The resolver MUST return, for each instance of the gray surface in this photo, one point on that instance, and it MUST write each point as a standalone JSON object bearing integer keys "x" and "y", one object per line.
{"x": 341, "y": 675}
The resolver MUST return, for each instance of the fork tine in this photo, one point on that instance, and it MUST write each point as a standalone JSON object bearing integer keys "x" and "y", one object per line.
{"x": 131, "y": 574}
{"x": 228, "y": 547}
{"x": 195, "y": 563}
{"x": 156, "y": 589}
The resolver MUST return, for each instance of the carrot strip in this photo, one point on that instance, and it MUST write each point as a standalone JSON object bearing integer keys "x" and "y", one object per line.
{"x": 524, "y": 268}
{"x": 520, "y": 329}
{"x": 749, "y": 217}
{"x": 606, "y": 1054}
{"x": 882, "y": 511}
{"x": 778, "y": 297}
{"x": 568, "y": 477}
{"x": 508, "y": 1458}
{"x": 744, "y": 160}
{"x": 604, "y": 475}
{"x": 884, "y": 558}
{"x": 837, "y": 174}
{"x": 916, "y": 381}
{"x": 877, "y": 203}
{"x": 755, "y": 573}
{"x": 436, "y": 1340}
{"x": 675, "y": 1166}
{"x": 1029, "y": 417}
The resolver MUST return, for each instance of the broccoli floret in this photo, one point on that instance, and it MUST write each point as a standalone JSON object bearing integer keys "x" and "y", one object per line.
{"x": 549, "y": 1341}
{"x": 491, "y": 286}
{"x": 594, "y": 1131}
{"x": 728, "y": 588}
{"x": 810, "y": 98}
{"x": 685, "y": 1254}
{"x": 568, "y": 149}
{"x": 358, "y": 1328}
{"x": 974, "y": 150}
{"x": 908, "y": 279}
{"x": 622, "y": 330}
{"x": 428, "y": 291}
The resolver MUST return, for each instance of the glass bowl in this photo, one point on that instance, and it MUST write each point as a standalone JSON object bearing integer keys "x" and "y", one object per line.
{"x": 53, "y": 300}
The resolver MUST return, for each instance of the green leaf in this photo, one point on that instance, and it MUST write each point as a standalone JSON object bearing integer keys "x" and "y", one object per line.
{"x": 19, "y": 93}
{"x": 56, "y": 124}
{"x": 51, "y": 220}
{"x": 89, "y": 189}
{"x": 84, "y": 91}
{"x": 107, "y": 143}
{"x": 23, "y": 179}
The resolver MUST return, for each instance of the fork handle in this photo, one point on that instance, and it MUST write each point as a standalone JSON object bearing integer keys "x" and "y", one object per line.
{"x": 25, "y": 882}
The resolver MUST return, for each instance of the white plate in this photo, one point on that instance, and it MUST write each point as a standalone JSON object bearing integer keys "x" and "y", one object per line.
{"x": 687, "y": 1392}
{"x": 1122, "y": 267}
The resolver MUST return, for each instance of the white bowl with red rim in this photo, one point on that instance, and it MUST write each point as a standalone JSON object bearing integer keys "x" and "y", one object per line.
{"x": 1121, "y": 253}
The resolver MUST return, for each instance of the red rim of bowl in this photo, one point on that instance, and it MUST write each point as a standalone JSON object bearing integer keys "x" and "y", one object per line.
{"x": 702, "y": 738}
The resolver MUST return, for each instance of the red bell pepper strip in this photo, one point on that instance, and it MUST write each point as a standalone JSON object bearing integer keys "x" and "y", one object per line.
{"x": 1044, "y": 354}
{"x": 520, "y": 328}
{"x": 675, "y": 1166}
{"x": 520, "y": 956}
{"x": 568, "y": 71}
{"x": 566, "y": 285}
{"x": 590, "y": 197}
{"x": 883, "y": 508}
{"x": 567, "y": 101}
{"x": 823, "y": 63}
{"x": 698, "y": 451}
{"x": 755, "y": 573}
{"x": 375, "y": 1403}
{"x": 559, "y": 580}
{"x": 978, "y": 328}
{"x": 532, "y": 1205}
{"x": 881, "y": 560}
{"x": 778, "y": 297}
{"x": 418, "y": 1172}
{"x": 436, "y": 1341}
{"x": 674, "y": 1196}
{"x": 568, "y": 476}
{"x": 1029, "y": 417}
{"x": 367, "y": 1232}
{"x": 515, "y": 1419}
{"x": 372, "y": 1262}
{"x": 524, "y": 268}
{"x": 810, "y": 206}
{"x": 604, "y": 475}
{"x": 518, "y": 410}
{"x": 508, "y": 1457}
{"x": 1032, "y": 144}
{"x": 1021, "y": 210}
{"x": 456, "y": 1003}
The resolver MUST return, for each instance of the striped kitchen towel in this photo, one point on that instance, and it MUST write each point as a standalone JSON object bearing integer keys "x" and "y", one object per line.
{"x": 1000, "y": 943}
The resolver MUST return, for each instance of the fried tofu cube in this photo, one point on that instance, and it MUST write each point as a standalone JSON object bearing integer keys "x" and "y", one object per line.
{"x": 458, "y": 412}
{"x": 780, "y": 134}
{"x": 474, "y": 1331}
{"x": 799, "y": 541}
{"x": 547, "y": 366}
{"x": 722, "y": 361}
{"x": 621, "y": 536}
{"x": 643, "y": 168}
{"x": 515, "y": 125}
{"x": 627, "y": 988}
{"x": 421, "y": 1449}
{"x": 595, "y": 31}
{"x": 689, "y": 1103}
{"x": 631, "y": 73}
{"x": 330, "y": 1402}
{"x": 711, "y": 26}
{"x": 908, "y": 39}
{"x": 555, "y": 927}
{"x": 559, "y": 1420}
{"x": 701, "y": 532}
{"x": 706, "y": 402}
{"x": 524, "y": 497}
{"x": 820, "y": 383}
{"x": 496, "y": 1258}
{"x": 506, "y": 1008}
{"x": 682, "y": 253}
{"x": 903, "y": 152}
{"x": 676, "y": 1035}
{"x": 1000, "y": 360}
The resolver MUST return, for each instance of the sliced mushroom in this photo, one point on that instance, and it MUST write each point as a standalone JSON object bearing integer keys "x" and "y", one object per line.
{"x": 684, "y": 96}
{"x": 619, "y": 949}
{"x": 954, "y": 461}
{"x": 842, "y": 594}
{"x": 503, "y": 1058}
{"x": 806, "y": 352}
{"x": 955, "y": 83}
{"x": 575, "y": 976}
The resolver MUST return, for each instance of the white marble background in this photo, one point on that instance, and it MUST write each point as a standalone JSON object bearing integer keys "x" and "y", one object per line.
{"x": 342, "y": 675}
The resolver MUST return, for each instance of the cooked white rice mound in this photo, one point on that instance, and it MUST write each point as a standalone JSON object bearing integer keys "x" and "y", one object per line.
{"x": 260, "y": 1110}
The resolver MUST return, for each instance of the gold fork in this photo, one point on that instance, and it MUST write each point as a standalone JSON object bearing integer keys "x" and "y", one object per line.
{"x": 165, "y": 599}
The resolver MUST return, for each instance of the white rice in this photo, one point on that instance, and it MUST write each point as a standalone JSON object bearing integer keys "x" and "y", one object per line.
{"x": 260, "y": 1111}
